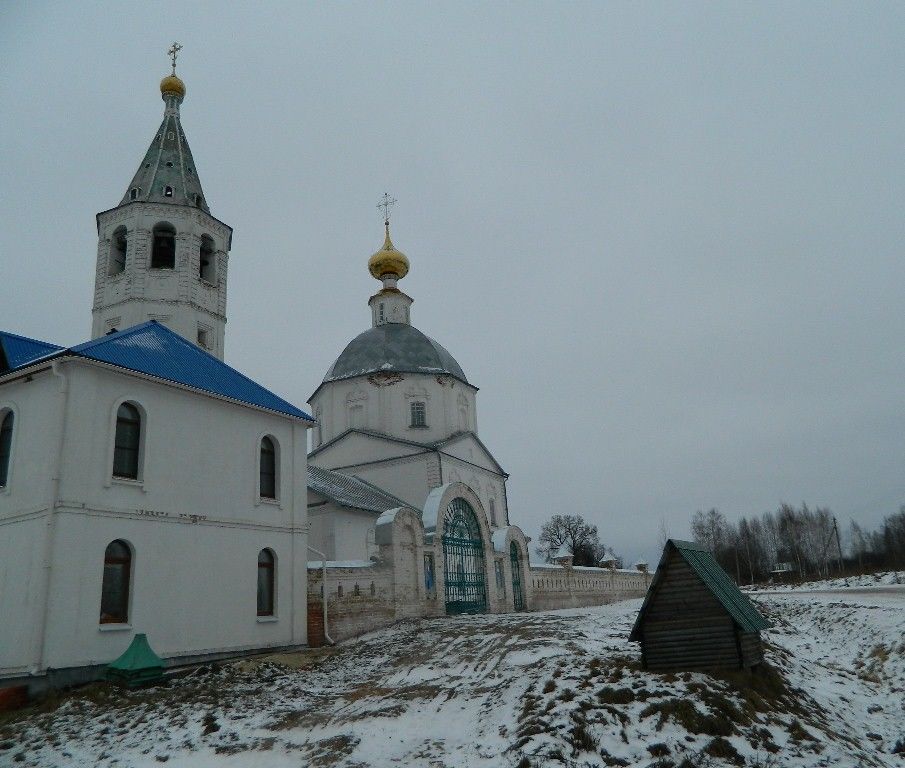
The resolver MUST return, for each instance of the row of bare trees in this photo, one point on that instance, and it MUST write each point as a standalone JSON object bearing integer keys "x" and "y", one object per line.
{"x": 799, "y": 542}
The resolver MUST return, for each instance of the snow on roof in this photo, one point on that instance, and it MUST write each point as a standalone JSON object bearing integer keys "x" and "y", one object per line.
{"x": 340, "y": 564}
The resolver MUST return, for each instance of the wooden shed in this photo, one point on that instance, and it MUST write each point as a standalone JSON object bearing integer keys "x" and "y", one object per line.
{"x": 695, "y": 617}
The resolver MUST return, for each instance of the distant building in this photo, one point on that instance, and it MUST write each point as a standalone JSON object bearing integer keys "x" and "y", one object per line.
{"x": 695, "y": 617}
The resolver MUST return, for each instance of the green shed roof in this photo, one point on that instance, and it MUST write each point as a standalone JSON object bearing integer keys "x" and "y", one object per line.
{"x": 703, "y": 563}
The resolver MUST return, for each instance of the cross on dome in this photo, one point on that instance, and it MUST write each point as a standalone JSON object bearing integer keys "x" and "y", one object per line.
{"x": 386, "y": 203}
{"x": 173, "y": 53}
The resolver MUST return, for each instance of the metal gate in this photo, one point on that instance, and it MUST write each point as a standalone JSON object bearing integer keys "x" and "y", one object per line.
{"x": 517, "y": 594}
{"x": 463, "y": 560}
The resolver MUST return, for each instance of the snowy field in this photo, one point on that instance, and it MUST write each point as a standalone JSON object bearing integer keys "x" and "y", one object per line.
{"x": 547, "y": 689}
{"x": 881, "y": 579}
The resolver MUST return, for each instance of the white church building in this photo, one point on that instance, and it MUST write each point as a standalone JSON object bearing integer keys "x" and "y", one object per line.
{"x": 148, "y": 487}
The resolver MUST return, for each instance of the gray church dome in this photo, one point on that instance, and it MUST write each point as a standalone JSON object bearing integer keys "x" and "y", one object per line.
{"x": 393, "y": 347}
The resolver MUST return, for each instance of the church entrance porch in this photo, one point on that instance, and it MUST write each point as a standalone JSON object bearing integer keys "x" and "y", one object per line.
{"x": 518, "y": 596}
{"x": 463, "y": 556}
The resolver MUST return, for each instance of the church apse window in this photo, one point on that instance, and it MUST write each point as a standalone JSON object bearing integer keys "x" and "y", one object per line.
{"x": 418, "y": 414}
{"x": 206, "y": 261}
{"x": 127, "y": 443}
{"x": 118, "y": 246}
{"x": 163, "y": 249}
{"x": 268, "y": 469}
{"x": 6, "y": 446}
{"x": 266, "y": 582}
{"x": 115, "y": 587}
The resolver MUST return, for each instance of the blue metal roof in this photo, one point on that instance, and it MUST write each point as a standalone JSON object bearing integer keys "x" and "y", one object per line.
{"x": 19, "y": 350}
{"x": 155, "y": 350}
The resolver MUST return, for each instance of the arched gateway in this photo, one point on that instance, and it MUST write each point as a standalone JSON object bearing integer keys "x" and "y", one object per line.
{"x": 463, "y": 558}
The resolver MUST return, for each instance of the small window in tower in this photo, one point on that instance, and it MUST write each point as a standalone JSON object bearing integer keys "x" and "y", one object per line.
{"x": 147, "y": 165}
{"x": 381, "y": 313}
{"x": 189, "y": 171}
{"x": 419, "y": 414}
{"x": 167, "y": 191}
{"x": 169, "y": 163}
{"x": 133, "y": 193}
{"x": 199, "y": 200}
{"x": 207, "y": 260}
{"x": 170, "y": 135}
{"x": 203, "y": 338}
{"x": 117, "y": 263}
{"x": 163, "y": 253}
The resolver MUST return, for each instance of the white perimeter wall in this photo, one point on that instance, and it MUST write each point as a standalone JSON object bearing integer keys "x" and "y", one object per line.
{"x": 556, "y": 586}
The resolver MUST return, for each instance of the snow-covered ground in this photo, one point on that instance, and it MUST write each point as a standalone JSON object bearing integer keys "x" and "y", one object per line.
{"x": 542, "y": 689}
{"x": 881, "y": 579}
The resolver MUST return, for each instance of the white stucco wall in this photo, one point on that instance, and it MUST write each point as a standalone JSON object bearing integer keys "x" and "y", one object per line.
{"x": 355, "y": 447}
{"x": 194, "y": 521}
{"x": 340, "y": 532}
{"x": 386, "y": 406}
{"x": 409, "y": 479}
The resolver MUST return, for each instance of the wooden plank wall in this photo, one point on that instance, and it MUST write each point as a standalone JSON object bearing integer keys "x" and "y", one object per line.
{"x": 685, "y": 626}
{"x": 752, "y": 650}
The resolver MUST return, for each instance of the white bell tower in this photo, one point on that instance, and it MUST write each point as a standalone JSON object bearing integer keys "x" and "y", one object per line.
{"x": 161, "y": 255}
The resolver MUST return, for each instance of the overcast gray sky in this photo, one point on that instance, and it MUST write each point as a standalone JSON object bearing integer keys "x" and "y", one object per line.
{"x": 664, "y": 239}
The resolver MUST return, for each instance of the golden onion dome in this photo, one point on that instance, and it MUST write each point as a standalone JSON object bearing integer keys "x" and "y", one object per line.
{"x": 388, "y": 261}
{"x": 172, "y": 84}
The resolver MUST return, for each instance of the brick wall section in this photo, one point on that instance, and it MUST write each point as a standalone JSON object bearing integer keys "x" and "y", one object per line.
{"x": 557, "y": 586}
{"x": 359, "y": 600}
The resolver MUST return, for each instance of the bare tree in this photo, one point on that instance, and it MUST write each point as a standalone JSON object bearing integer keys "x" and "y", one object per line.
{"x": 579, "y": 538}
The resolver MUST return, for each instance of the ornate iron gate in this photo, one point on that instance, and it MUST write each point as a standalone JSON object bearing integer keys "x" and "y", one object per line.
{"x": 463, "y": 560}
{"x": 517, "y": 595}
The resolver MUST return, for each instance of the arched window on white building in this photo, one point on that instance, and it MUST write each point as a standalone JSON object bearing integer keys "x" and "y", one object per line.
{"x": 268, "y": 468}
{"x": 127, "y": 442}
{"x": 116, "y": 583}
{"x": 266, "y": 582}
{"x": 6, "y": 445}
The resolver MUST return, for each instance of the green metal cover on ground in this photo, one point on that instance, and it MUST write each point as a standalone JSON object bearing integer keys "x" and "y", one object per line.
{"x": 139, "y": 664}
{"x": 702, "y": 562}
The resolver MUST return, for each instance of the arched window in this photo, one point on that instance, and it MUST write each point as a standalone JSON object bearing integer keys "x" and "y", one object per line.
{"x": 115, "y": 589}
{"x": 127, "y": 444}
{"x": 206, "y": 264}
{"x": 163, "y": 249}
{"x": 265, "y": 582}
{"x": 268, "y": 469}
{"x": 168, "y": 191}
{"x": 6, "y": 446}
{"x": 118, "y": 246}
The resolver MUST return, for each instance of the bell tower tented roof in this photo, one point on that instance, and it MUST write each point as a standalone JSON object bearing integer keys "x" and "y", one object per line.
{"x": 167, "y": 173}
